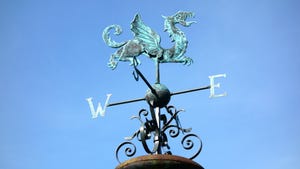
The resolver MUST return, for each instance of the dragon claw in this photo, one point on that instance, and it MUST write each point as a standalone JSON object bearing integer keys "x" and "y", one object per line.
{"x": 188, "y": 61}
{"x": 135, "y": 62}
{"x": 190, "y": 23}
{"x": 112, "y": 65}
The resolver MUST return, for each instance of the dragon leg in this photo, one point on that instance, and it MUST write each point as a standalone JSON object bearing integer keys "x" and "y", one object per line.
{"x": 113, "y": 61}
{"x": 130, "y": 51}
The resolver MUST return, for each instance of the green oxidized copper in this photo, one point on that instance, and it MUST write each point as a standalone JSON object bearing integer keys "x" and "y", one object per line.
{"x": 147, "y": 42}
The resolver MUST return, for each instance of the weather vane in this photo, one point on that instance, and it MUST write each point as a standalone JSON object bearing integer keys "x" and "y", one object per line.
{"x": 161, "y": 119}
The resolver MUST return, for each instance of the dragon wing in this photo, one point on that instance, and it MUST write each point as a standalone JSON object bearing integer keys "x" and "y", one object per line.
{"x": 149, "y": 39}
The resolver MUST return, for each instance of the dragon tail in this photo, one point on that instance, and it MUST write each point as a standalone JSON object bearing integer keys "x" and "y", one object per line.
{"x": 108, "y": 40}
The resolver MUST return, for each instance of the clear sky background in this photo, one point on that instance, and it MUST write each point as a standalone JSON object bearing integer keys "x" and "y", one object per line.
{"x": 52, "y": 58}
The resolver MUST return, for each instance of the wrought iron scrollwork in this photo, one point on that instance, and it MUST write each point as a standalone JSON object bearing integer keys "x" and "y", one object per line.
{"x": 169, "y": 127}
{"x": 188, "y": 144}
{"x": 129, "y": 151}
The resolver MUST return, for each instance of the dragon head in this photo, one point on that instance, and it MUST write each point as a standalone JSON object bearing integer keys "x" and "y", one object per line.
{"x": 180, "y": 17}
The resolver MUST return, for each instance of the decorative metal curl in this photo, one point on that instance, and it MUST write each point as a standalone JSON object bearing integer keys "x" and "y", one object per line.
{"x": 145, "y": 131}
{"x": 129, "y": 152}
{"x": 149, "y": 130}
{"x": 172, "y": 132}
{"x": 174, "y": 115}
{"x": 145, "y": 135}
{"x": 188, "y": 144}
{"x": 143, "y": 112}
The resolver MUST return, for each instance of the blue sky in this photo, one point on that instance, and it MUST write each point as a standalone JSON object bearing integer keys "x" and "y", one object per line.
{"x": 52, "y": 58}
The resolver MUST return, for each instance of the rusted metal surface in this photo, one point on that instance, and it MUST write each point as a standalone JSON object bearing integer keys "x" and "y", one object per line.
{"x": 159, "y": 161}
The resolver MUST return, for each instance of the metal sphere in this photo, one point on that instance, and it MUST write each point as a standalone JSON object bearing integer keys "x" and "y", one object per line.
{"x": 160, "y": 98}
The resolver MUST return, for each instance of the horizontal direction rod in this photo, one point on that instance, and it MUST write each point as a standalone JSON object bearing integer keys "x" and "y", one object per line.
{"x": 125, "y": 102}
{"x": 175, "y": 93}
{"x": 191, "y": 90}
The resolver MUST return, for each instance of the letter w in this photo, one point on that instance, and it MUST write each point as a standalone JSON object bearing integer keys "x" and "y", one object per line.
{"x": 99, "y": 110}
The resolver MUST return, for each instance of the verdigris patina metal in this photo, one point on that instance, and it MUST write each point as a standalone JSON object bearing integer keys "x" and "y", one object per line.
{"x": 161, "y": 121}
{"x": 147, "y": 42}
{"x": 154, "y": 124}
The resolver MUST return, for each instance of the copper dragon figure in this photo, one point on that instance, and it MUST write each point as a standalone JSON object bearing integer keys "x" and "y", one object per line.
{"x": 147, "y": 42}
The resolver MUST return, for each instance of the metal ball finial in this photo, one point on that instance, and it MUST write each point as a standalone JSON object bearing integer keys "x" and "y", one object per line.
{"x": 160, "y": 98}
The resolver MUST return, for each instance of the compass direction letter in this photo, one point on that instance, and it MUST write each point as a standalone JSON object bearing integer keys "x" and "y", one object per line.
{"x": 100, "y": 110}
{"x": 213, "y": 86}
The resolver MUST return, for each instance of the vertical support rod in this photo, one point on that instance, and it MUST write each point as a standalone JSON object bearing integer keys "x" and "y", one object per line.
{"x": 158, "y": 130}
{"x": 157, "y": 72}
{"x": 155, "y": 114}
